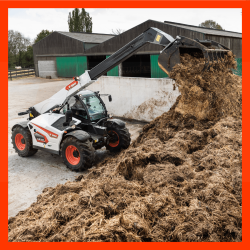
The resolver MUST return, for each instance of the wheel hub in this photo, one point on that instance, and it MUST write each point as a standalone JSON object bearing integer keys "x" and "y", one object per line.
{"x": 114, "y": 139}
{"x": 72, "y": 155}
{"x": 76, "y": 153}
{"x": 20, "y": 142}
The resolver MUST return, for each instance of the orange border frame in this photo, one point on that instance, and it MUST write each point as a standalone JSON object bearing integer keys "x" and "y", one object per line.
{"x": 245, "y": 5}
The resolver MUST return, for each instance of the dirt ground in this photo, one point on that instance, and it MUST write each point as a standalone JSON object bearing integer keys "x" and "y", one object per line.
{"x": 27, "y": 177}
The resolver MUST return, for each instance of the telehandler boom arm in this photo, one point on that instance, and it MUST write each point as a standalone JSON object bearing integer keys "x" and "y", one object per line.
{"x": 151, "y": 35}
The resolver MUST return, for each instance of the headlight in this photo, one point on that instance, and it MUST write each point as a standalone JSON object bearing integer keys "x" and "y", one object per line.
{"x": 31, "y": 115}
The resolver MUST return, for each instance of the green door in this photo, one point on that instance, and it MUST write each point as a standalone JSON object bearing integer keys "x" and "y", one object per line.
{"x": 156, "y": 72}
{"x": 81, "y": 65}
{"x": 70, "y": 66}
{"x": 114, "y": 71}
{"x": 238, "y": 71}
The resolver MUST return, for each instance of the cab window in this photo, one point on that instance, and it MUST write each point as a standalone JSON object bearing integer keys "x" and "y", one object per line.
{"x": 95, "y": 107}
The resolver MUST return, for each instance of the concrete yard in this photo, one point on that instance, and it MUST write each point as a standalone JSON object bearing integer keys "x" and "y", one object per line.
{"x": 27, "y": 177}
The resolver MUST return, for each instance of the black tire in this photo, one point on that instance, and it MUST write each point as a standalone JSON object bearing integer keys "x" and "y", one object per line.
{"x": 26, "y": 148}
{"x": 84, "y": 150}
{"x": 123, "y": 136}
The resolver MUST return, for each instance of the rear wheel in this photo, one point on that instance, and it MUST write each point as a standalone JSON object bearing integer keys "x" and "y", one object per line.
{"x": 77, "y": 155}
{"x": 120, "y": 138}
{"x": 22, "y": 141}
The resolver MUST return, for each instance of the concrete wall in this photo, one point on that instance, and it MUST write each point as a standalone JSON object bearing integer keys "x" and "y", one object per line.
{"x": 47, "y": 68}
{"x": 136, "y": 98}
{"x": 43, "y": 58}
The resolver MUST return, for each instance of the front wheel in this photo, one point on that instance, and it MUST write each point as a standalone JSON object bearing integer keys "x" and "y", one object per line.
{"x": 119, "y": 138}
{"x": 22, "y": 141}
{"x": 77, "y": 155}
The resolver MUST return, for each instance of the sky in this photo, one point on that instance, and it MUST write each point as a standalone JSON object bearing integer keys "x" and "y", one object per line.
{"x": 31, "y": 21}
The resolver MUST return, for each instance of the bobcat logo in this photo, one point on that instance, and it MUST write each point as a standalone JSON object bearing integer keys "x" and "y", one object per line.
{"x": 158, "y": 38}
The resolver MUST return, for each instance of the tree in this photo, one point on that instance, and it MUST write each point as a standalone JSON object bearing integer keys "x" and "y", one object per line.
{"x": 211, "y": 24}
{"x": 117, "y": 31}
{"x": 86, "y": 21}
{"x": 74, "y": 21}
{"x": 42, "y": 35}
{"x": 80, "y": 21}
{"x": 27, "y": 60}
{"x": 11, "y": 59}
{"x": 17, "y": 46}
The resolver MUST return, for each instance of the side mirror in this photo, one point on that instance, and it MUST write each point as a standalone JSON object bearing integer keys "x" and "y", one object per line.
{"x": 68, "y": 117}
{"x": 110, "y": 98}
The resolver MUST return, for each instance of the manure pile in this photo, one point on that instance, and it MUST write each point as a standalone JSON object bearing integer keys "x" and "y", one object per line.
{"x": 180, "y": 180}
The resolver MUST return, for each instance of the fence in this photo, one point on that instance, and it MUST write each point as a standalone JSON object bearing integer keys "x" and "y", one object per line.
{"x": 20, "y": 73}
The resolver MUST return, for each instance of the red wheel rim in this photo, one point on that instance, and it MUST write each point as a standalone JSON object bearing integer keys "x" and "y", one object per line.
{"x": 114, "y": 144}
{"x": 18, "y": 142}
{"x": 69, "y": 152}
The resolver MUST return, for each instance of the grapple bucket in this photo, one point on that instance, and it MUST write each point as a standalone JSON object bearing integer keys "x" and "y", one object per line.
{"x": 208, "y": 49}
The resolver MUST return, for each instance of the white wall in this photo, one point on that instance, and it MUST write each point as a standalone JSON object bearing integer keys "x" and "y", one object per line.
{"x": 136, "y": 98}
{"x": 47, "y": 68}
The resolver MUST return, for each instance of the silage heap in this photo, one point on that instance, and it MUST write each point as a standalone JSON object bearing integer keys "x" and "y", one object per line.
{"x": 179, "y": 181}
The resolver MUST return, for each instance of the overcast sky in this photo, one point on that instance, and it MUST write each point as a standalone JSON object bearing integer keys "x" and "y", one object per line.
{"x": 31, "y": 21}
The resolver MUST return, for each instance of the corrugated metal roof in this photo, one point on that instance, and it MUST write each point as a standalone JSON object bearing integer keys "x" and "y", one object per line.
{"x": 206, "y": 30}
{"x": 87, "y": 37}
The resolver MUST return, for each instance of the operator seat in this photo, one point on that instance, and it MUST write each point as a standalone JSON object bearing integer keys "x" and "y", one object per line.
{"x": 77, "y": 104}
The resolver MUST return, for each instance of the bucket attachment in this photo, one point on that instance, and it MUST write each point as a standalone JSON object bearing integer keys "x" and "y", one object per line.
{"x": 208, "y": 49}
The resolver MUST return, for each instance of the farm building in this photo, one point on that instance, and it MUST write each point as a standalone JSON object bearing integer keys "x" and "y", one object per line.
{"x": 62, "y": 53}
{"x": 72, "y": 53}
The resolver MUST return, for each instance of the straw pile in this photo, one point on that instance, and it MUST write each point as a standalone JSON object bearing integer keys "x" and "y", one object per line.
{"x": 180, "y": 180}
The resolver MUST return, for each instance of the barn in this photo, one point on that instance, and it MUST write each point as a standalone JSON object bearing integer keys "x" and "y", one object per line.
{"x": 70, "y": 54}
{"x": 61, "y": 54}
